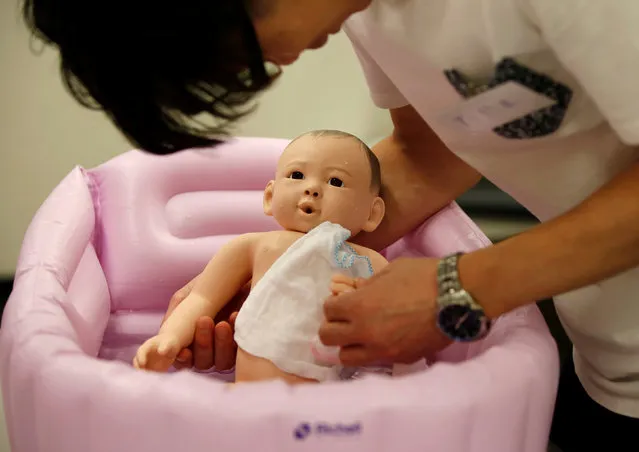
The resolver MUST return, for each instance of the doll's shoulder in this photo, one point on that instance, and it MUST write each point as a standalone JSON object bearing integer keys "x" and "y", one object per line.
{"x": 276, "y": 241}
{"x": 377, "y": 260}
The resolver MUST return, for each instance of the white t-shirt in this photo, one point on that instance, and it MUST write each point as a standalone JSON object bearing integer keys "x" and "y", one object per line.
{"x": 588, "y": 48}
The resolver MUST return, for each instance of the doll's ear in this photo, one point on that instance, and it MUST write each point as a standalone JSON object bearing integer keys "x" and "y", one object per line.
{"x": 378, "y": 209}
{"x": 268, "y": 198}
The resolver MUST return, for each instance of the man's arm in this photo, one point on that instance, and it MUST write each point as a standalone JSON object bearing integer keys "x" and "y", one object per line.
{"x": 598, "y": 238}
{"x": 594, "y": 241}
{"x": 420, "y": 176}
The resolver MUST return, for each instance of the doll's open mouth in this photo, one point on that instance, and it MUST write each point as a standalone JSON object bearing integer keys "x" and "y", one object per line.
{"x": 307, "y": 208}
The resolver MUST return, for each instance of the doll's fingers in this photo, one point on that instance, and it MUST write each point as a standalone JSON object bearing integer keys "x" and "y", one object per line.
{"x": 337, "y": 278}
{"x": 168, "y": 349}
{"x": 162, "y": 348}
{"x": 338, "y": 288}
{"x": 359, "y": 282}
{"x": 141, "y": 361}
{"x": 161, "y": 366}
{"x": 340, "y": 278}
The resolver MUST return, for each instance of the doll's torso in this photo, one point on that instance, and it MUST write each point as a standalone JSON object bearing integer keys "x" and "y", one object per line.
{"x": 268, "y": 248}
{"x": 272, "y": 245}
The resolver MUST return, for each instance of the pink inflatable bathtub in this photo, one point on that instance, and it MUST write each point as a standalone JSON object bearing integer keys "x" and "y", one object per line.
{"x": 109, "y": 247}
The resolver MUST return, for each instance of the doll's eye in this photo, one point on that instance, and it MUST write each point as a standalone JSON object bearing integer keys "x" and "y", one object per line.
{"x": 296, "y": 175}
{"x": 336, "y": 182}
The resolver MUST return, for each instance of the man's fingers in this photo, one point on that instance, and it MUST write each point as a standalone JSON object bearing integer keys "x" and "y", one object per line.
{"x": 232, "y": 318}
{"x": 338, "y": 334}
{"x": 203, "y": 349}
{"x": 356, "y": 355}
{"x": 140, "y": 361}
{"x": 340, "y": 307}
{"x": 184, "y": 359}
{"x": 225, "y": 349}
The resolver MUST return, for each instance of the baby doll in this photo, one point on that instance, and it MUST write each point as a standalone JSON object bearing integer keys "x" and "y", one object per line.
{"x": 326, "y": 190}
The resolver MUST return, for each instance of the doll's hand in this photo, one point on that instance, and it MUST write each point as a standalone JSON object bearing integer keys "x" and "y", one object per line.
{"x": 389, "y": 318}
{"x": 341, "y": 283}
{"x": 157, "y": 353}
{"x": 213, "y": 343}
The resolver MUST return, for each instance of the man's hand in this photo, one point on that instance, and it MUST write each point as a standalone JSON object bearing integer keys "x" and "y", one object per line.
{"x": 390, "y": 317}
{"x": 213, "y": 343}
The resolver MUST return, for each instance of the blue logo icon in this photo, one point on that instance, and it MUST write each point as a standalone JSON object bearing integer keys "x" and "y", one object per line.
{"x": 305, "y": 429}
{"x": 302, "y": 431}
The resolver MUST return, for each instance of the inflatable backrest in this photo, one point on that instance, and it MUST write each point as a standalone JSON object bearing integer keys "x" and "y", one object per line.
{"x": 161, "y": 218}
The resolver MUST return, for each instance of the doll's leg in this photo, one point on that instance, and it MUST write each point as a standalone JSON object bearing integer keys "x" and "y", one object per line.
{"x": 251, "y": 368}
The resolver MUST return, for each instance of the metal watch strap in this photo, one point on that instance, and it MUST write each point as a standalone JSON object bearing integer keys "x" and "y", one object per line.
{"x": 453, "y": 296}
{"x": 447, "y": 274}
{"x": 449, "y": 284}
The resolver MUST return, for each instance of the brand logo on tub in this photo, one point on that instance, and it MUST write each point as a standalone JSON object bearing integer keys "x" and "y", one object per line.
{"x": 305, "y": 429}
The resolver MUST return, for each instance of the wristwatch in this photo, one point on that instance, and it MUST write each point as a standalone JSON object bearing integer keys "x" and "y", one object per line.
{"x": 459, "y": 316}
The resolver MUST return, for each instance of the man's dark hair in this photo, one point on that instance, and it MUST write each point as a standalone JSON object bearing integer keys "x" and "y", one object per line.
{"x": 376, "y": 173}
{"x": 155, "y": 66}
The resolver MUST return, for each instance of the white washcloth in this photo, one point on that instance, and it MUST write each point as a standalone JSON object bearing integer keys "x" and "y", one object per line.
{"x": 280, "y": 319}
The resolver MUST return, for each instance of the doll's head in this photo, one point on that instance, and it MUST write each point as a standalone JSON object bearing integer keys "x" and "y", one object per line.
{"x": 326, "y": 176}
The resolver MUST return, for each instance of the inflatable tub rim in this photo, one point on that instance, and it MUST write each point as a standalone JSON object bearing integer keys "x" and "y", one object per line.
{"x": 467, "y": 389}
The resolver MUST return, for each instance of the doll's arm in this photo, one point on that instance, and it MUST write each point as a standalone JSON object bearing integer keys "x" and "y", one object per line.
{"x": 227, "y": 272}
{"x": 342, "y": 283}
{"x": 377, "y": 261}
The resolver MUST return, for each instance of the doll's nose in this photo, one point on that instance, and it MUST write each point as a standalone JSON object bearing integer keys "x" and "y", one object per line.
{"x": 313, "y": 193}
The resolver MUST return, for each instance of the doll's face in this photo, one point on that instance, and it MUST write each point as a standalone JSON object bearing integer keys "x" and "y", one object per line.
{"x": 320, "y": 179}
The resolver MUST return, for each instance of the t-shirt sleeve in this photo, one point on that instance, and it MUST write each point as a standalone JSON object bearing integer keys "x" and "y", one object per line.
{"x": 598, "y": 42}
{"x": 382, "y": 90}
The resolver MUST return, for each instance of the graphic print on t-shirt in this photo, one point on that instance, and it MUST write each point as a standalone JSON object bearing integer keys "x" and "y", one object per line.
{"x": 542, "y": 122}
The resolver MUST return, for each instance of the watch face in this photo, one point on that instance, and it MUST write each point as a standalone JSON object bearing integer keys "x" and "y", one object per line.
{"x": 461, "y": 323}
